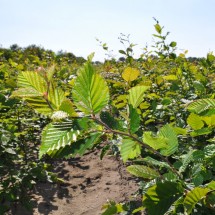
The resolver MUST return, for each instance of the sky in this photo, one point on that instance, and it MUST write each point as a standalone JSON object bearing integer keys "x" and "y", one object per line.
{"x": 74, "y": 25}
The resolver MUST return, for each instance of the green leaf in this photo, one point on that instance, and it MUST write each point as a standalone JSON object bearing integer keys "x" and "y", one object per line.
{"x": 179, "y": 130}
{"x": 198, "y": 155}
{"x": 144, "y": 105}
{"x": 78, "y": 147}
{"x": 136, "y": 95}
{"x": 91, "y": 56}
{"x": 210, "y": 57}
{"x": 122, "y": 52}
{"x": 170, "y": 77}
{"x": 210, "y": 200}
{"x": 26, "y": 92}
{"x": 193, "y": 197}
{"x": 200, "y": 132}
{"x": 173, "y": 44}
{"x": 68, "y": 107}
{"x": 39, "y": 104}
{"x": 130, "y": 74}
{"x": 194, "y": 121}
{"x": 198, "y": 86}
{"x": 158, "y": 28}
{"x": 90, "y": 92}
{"x": 55, "y": 96}
{"x": 156, "y": 142}
{"x": 44, "y": 104}
{"x": 129, "y": 50}
{"x": 186, "y": 160}
{"x": 160, "y": 197}
{"x": 50, "y": 72}
{"x": 112, "y": 208}
{"x": 109, "y": 120}
{"x": 209, "y": 120}
{"x": 129, "y": 149}
{"x": 172, "y": 141}
{"x": 211, "y": 185}
{"x": 142, "y": 171}
{"x": 32, "y": 80}
{"x": 134, "y": 119}
{"x": 209, "y": 112}
{"x": 198, "y": 180}
{"x": 30, "y": 84}
{"x": 56, "y": 136}
{"x": 138, "y": 210}
{"x": 42, "y": 96}
{"x": 154, "y": 162}
{"x": 170, "y": 176}
{"x": 104, "y": 151}
{"x": 209, "y": 151}
{"x": 201, "y": 105}
{"x": 158, "y": 36}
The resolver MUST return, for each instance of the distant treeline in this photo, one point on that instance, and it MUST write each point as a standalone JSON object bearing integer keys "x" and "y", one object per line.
{"x": 34, "y": 53}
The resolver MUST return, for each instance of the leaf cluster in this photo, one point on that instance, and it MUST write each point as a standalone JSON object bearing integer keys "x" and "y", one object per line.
{"x": 157, "y": 110}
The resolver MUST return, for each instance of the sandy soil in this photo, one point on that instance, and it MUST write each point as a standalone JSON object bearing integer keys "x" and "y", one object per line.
{"x": 91, "y": 182}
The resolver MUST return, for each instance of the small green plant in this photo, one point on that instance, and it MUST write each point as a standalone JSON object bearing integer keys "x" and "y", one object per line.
{"x": 20, "y": 168}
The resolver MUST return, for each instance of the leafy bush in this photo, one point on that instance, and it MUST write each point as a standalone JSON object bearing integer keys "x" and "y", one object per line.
{"x": 158, "y": 110}
{"x": 20, "y": 128}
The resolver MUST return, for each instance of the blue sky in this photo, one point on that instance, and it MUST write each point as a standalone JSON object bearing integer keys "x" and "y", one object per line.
{"x": 74, "y": 25}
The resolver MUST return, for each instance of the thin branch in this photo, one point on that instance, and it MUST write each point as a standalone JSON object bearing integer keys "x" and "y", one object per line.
{"x": 109, "y": 130}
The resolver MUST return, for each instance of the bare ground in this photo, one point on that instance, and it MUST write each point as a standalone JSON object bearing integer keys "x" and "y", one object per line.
{"x": 90, "y": 183}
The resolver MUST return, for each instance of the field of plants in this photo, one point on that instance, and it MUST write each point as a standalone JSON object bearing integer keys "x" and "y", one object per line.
{"x": 155, "y": 114}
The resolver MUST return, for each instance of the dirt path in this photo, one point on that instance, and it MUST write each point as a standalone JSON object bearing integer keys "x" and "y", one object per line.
{"x": 91, "y": 182}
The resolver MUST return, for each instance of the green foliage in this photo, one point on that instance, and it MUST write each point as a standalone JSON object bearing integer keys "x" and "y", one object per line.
{"x": 109, "y": 120}
{"x": 172, "y": 142}
{"x": 112, "y": 208}
{"x": 129, "y": 149}
{"x": 90, "y": 92}
{"x": 195, "y": 121}
{"x": 20, "y": 127}
{"x": 138, "y": 108}
{"x": 20, "y": 168}
{"x": 134, "y": 117}
{"x": 142, "y": 171}
{"x": 156, "y": 142}
{"x": 201, "y": 105}
{"x": 152, "y": 161}
{"x": 56, "y": 136}
{"x": 136, "y": 94}
{"x": 186, "y": 161}
{"x": 40, "y": 94}
{"x": 67, "y": 107}
{"x": 159, "y": 198}
{"x": 78, "y": 147}
{"x": 193, "y": 197}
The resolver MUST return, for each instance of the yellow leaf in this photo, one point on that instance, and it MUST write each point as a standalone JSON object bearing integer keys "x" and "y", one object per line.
{"x": 195, "y": 121}
{"x": 170, "y": 77}
{"x": 144, "y": 105}
{"x": 130, "y": 74}
{"x": 210, "y": 120}
{"x": 159, "y": 80}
